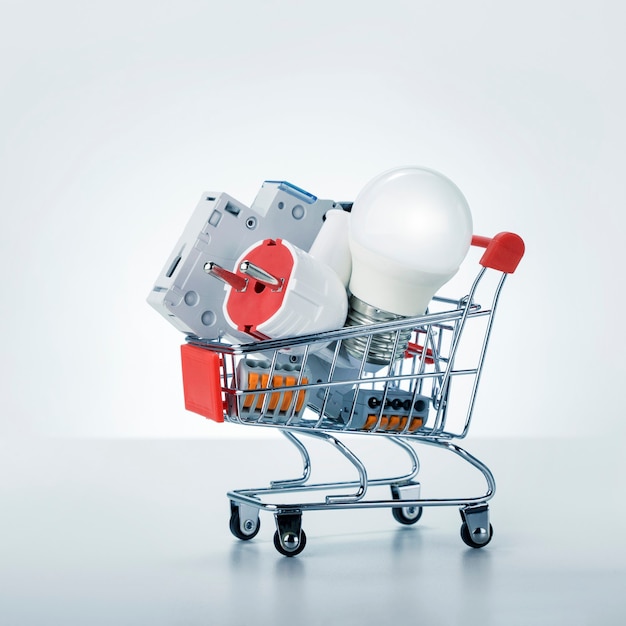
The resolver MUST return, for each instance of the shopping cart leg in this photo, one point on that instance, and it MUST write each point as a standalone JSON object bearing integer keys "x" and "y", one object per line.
{"x": 476, "y": 531}
{"x": 306, "y": 463}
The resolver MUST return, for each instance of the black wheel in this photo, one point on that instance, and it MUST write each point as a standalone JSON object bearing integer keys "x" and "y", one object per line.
{"x": 470, "y": 541}
{"x": 252, "y": 529}
{"x": 292, "y": 546}
{"x": 407, "y": 514}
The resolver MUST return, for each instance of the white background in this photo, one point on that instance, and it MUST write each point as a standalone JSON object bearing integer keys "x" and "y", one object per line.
{"x": 116, "y": 116}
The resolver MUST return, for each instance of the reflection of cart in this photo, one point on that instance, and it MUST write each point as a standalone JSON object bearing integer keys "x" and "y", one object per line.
{"x": 409, "y": 380}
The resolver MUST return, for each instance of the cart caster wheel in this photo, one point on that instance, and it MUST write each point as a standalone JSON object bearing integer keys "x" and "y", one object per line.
{"x": 481, "y": 536}
{"x": 290, "y": 545}
{"x": 250, "y": 528}
{"x": 407, "y": 514}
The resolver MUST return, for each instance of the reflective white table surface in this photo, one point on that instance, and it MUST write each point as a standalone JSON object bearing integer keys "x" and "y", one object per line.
{"x": 129, "y": 532}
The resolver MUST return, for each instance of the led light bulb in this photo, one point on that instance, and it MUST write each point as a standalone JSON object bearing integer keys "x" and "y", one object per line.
{"x": 410, "y": 230}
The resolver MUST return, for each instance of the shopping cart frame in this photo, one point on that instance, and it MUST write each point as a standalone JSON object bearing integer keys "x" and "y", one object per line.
{"x": 216, "y": 387}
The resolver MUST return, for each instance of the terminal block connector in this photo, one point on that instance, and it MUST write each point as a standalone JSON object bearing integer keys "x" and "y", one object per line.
{"x": 373, "y": 410}
{"x": 275, "y": 401}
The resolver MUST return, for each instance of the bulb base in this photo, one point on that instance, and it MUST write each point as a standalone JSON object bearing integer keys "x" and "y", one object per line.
{"x": 384, "y": 348}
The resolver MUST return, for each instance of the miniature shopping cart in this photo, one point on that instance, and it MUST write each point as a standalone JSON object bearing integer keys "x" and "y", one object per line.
{"x": 410, "y": 380}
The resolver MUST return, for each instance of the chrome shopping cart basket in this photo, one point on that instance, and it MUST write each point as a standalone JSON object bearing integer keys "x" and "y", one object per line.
{"x": 411, "y": 380}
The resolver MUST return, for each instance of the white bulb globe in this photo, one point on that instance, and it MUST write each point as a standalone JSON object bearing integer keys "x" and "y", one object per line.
{"x": 410, "y": 229}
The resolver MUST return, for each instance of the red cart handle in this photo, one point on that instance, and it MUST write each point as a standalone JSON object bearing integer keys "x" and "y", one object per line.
{"x": 503, "y": 252}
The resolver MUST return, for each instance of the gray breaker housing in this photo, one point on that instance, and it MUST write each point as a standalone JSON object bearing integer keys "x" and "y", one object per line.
{"x": 220, "y": 229}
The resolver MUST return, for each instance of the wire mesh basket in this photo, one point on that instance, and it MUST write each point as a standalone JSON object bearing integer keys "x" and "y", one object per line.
{"x": 411, "y": 379}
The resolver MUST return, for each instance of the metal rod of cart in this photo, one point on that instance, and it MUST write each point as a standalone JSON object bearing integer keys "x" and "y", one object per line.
{"x": 410, "y": 381}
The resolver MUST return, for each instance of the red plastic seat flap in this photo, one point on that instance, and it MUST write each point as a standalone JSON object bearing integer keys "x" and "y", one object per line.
{"x": 202, "y": 382}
